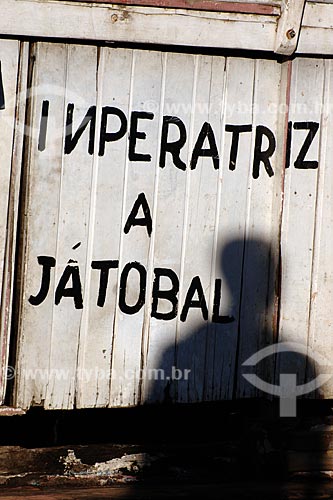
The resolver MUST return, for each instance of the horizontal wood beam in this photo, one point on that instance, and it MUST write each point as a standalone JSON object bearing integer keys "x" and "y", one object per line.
{"x": 153, "y": 25}
{"x": 172, "y": 26}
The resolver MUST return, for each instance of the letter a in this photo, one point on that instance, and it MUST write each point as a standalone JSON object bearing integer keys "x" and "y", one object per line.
{"x": 133, "y": 220}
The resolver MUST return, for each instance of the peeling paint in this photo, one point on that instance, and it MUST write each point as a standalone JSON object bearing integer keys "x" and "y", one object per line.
{"x": 126, "y": 465}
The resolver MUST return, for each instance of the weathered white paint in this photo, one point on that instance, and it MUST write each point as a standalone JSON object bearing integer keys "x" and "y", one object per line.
{"x": 213, "y": 223}
{"x": 14, "y": 74}
{"x": 316, "y": 36}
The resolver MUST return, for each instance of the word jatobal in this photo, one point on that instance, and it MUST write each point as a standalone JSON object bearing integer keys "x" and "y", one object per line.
{"x": 69, "y": 286}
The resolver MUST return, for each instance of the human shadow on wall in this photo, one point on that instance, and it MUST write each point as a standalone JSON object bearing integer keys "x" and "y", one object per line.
{"x": 213, "y": 357}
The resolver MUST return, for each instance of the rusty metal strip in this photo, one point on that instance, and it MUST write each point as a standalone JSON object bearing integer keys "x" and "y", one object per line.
{"x": 208, "y": 5}
{"x": 284, "y": 166}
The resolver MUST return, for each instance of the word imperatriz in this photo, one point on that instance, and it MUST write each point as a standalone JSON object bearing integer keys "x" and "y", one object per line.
{"x": 206, "y": 136}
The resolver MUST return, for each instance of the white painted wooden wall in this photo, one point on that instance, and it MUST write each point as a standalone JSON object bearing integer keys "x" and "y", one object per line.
{"x": 213, "y": 223}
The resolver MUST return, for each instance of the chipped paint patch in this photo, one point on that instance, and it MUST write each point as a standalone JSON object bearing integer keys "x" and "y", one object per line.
{"x": 127, "y": 465}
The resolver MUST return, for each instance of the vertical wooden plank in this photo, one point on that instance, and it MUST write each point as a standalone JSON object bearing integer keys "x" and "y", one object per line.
{"x": 135, "y": 241}
{"x": 43, "y": 179}
{"x": 14, "y": 57}
{"x": 178, "y": 83}
{"x": 260, "y": 265}
{"x": 9, "y": 73}
{"x": 194, "y": 327}
{"x": 73, "y": 226}
{"x": 9, "y": 70}
{"x": 321, "y": 325}
{"x": 57, "y": 214}
{"x": 96, "y": 340}
{"x": 298, "y": 223}
{"x": 230, "y": 227}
